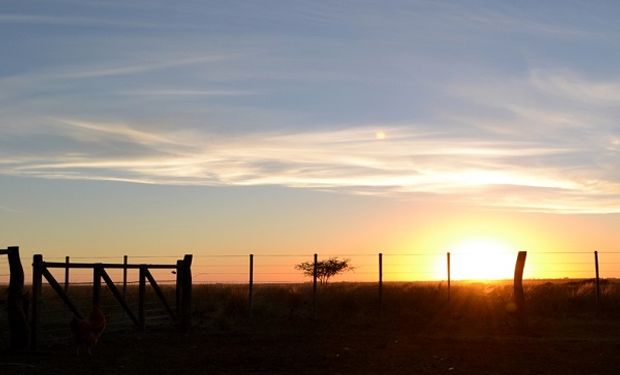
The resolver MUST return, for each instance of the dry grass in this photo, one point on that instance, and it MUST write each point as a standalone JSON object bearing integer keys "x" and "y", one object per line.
{"x": 417, "y": 331}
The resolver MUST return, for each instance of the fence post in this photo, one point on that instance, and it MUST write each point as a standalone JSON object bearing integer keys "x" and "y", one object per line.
{"x": 380, "y": 283}
{"x": 178, "y": 295}
{"x": 598, "y": 281}
{"x": 519, "y": 297}
{"x": 37, "y": 280}
{"x": 124, "y": 276}
{"x": 141, "y": 295}
{"x": 315, "y": 269}
{"x": 97, "y": 284}
{"x": 17, "y": 303}
{"x": 66, "y": 273}
{"x": 186, "y": 299}
{"x": 251, "y": 285}
{"x": 449, "y": 275}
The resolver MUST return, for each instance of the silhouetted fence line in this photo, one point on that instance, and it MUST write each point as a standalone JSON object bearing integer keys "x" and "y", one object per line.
{"x": 263, "y": 269}
{"x": 252, "y": 269}
{"x": 400, "y": 266}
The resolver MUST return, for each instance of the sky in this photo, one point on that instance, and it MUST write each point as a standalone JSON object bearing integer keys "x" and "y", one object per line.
{"x": 294, "y": 127}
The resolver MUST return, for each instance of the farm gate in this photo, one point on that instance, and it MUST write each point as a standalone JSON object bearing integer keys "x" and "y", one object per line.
{"x": 182, "y": 269}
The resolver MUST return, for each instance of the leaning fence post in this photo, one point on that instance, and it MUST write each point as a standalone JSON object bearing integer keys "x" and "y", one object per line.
{"x": 315, "y": 269}
{"x": 37, "y": 280}
{"x": 380, "y": 283}
{"x": 449, "y": 275}
{"x": 251, "y": 285}
{"x": 519, "y": 297}
{"x": 598, "y": 281}
{"x": 124, "y": 276}
{"x": 66, "y": 273}
{"x": 17, "y": 303}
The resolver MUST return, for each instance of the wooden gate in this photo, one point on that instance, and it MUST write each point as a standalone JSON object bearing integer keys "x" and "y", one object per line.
{"x": 182, "y": 313}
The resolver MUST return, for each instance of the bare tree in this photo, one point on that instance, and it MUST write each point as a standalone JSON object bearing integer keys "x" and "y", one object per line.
{"x": 325, "y": 269}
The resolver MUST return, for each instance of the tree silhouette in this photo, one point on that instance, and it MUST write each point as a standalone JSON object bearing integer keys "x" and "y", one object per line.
{"x": 325, "y": 269}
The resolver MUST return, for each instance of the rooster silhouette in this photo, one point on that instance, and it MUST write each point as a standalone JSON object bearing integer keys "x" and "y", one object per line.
{"x": 86, "y": 332}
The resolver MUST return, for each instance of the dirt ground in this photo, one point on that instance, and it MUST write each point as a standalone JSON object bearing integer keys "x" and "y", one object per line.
{"x": 314, "y": 349}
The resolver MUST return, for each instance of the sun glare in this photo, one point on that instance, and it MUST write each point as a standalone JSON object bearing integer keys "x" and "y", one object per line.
{"x": 482, "y": 259}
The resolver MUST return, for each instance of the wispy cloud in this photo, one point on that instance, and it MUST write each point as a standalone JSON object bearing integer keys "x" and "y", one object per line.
{"x": 138, "y": 68}
{"x": 570, "y": 85}
{"x": 117, "y": 131}
{"x": 522, "y": 24}
{"x": 26, "y": 80}
{"x": 8, "y": 209}
{"x": 186, "y": 92}
{"x": 83, "y": 21}
{"x": 408, "y": 161}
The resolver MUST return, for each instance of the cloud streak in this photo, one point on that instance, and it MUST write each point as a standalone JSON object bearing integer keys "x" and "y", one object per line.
{"x": 408, "y": 162}
{"x": 188, "y": 92}
{"x": 9, "y": 210}
{"x": 42, "y": 19}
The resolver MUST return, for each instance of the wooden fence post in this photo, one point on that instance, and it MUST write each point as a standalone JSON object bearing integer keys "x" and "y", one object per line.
{"x": 186, "y": 288}
{"x": 97, "y": 284}
{"x": 37, "y": 280}
{"x": 598, "y": 281}
{"x": 519, "y": 297}
{"x": 178, "y": 291}
{"x": 124, "y": 276}
{"x": 315, "y": 274}
{"x": 380, "y": 283}
{"x": 17, "y": 303}
{"x": 67, "y": 273}
{"x": 449, "y": 275}
{"x": 251, "y": 285}
{"x": 141, "y": 295}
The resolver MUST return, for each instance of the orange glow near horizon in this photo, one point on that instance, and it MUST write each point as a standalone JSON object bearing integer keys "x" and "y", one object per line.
{"x": 483, "y": 247}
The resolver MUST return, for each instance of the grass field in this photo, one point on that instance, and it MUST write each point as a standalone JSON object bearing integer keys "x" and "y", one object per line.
{"x": 417, "y": 331}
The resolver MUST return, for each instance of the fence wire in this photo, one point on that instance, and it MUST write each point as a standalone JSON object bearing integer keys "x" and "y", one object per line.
{"x": 271, "y": 268}
{"x": 403, "y": 265}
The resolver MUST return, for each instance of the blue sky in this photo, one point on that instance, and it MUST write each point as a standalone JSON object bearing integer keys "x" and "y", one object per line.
{"x": 492, "y": 105}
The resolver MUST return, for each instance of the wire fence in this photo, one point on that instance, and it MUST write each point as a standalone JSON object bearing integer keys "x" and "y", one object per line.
{"x": 396, "y": 267}
{"x": 268, "y": 268}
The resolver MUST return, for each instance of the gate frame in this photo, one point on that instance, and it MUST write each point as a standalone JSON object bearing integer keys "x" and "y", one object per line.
{"x": 40, "y": 270}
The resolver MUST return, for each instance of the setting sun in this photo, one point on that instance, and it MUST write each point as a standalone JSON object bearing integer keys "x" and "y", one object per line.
{"x": 482, "y": 259}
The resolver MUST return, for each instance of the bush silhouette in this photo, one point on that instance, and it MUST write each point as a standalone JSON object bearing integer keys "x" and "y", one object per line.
{"x": 325, "y": 269}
